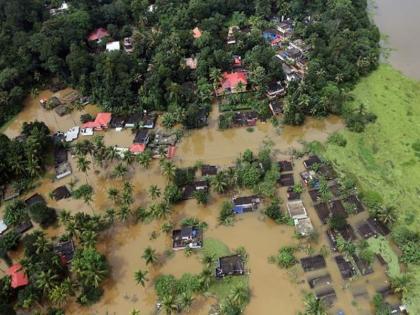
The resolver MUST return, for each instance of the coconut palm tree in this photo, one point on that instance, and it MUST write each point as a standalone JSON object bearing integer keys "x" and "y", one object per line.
{"x": 113, "y": 195}
{"x": 110, "y": 153}
{"x": 60, "y": 293}
{"x": 154, "y": 192}
{"x": 387, "y": 215}
{"x": 144, "y": 159}
{"x": 64, "y": 216}
{"x": 150, "y": 256}
{"x": 219, "y": 182}
{"x": 141, "y": 277}
{"x": 88, "y": 238}
{"x": 128, "y": 157}
{"x": 161, "y": 210}
{"x": 215, "y": 77}
{"x": 45, "y": 280}
{"x": 123, "y": 213}
{"x": 110, "y": 215}
{"x": 127, "y": 194}
{"x": 185, "y": 300}
{"x": 83, "y": 165}
{"x": 239, "y": 295}
{"x": 120, "y": 171}
{"x": 208, "y": 261}
{"x": 313, "y": 306}
{"x": 169, "y": 305}
{"x": 168, "y": 169}
{"x": 206, "y": 278}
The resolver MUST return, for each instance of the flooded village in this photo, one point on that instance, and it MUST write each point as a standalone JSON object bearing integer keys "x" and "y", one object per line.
{"x": 225, "y": 211}
{"x": 271, "y": 288}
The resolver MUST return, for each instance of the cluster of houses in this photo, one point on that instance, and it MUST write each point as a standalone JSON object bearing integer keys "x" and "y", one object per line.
{"x": 339, "y": 203}
{"x": 64, "y": 249}
{"x": 100, "y": 36}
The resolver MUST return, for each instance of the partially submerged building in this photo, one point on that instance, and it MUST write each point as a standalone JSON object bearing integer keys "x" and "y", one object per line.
{"x": 61, "y": 192}
{"x": 232, "y": 265}
{"x": 245, "y": 204}
{"x": 35, "y": 199}
{"x": 345, "y": 267}
{"x": 233, "y": 82}
{"x": 296, "y": 209}
{"x": 311, "y": 161}
{"x": 320, "y": 281}
{"x": 65, "y": 250}
{"x": 286, "y": 180}
{"x": 18, "y": 276}
{"x": 187, "y": 236}
{"x": 285, "y": 166}
{"x": 313, "y": 263}
{"x": 208, "y": 170}
{"x": 189, "y": 189}
{"x": 101, "y": 122}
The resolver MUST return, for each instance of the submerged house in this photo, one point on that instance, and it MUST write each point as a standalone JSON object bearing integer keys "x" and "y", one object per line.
{"x": 286, "y": 179}
{"x": 142, "y": 136}
{"x": 311, "y": 161}
{"x": 296, "y": 209}
{"x": 189, "y": 189}
{"x": 233, "y": 82}
{"x": 187, "y": 236}
{"x": 62, "y": 170}
{"x": 61, "y": 192}
{"x": 245, "y": 204}
{"x": 304, "y": 226}
{"x": 346, "y": 268}
{"x": 113, "y": 46}
{"x": 313, "y": 263}
{"x": 65, "y": 250}
{"x": 208, "y": 170}
{"x": 230, "y": 266}
{"x": 276, "y": 107}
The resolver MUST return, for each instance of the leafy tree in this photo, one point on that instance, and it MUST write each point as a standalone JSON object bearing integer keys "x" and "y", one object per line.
{"x": 285, "y": 257}
{"x": 313, "y": 306}
{"x": 43, "y": 215}
{"x": 90, "y": 267}
{"x": 226, "y": 215}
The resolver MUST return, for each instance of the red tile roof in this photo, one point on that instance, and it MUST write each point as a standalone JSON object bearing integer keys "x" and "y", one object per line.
{"x": 231, "y": 80}
{"x": 137, "y": 148}
{"x": 98, "y": 34}
{"x": 18, "y": 275}
{"x": 101, "y": 121}
{"x": 197, "y": 32}
{"x": 171, "y": 152}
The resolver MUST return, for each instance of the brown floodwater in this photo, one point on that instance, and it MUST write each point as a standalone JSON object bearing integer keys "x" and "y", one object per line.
{"x": 274, "y": 291}
{"x": 399, "y": 21}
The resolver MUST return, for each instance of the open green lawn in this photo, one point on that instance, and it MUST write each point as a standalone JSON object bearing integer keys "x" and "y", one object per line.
{"x": 222, "y": 288}
{"x": 386, "y": 157}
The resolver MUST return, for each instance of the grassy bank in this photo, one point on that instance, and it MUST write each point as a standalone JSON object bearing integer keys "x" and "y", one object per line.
{"x": 386, "y": 157}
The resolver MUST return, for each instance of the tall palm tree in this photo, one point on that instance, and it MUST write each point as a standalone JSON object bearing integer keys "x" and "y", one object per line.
{"x": 313, "y": 306}
{"x": 215, "y": 77}
{"x": 144, "y": 159}
{"x": 110, "y": 215}
{"x": 64, "y": 217}
{"x": 141, "y": 277}
{"x": 150, "y": 256}
{"x": 123, "y": 213}
{"x": 154, "y": 192}
{"x": 127, "y": 194}
{"x": 83, "y": 165}
{"x": 110, "y": 153}
{"x": 59, "y": 294}
{"x": 168, "y": 169}
{"x": 88, "y": 238}
{"x": 45, "y": 280}
{"x": 169, "y": 305}
{"x": 239, "y": 295}
{"x": 185, "y": 300}
{"x": 387, "y": 215}
{"x": 220, "y": 182}
{"x": 120, "y": 171}
{"x": 129, "y": 157}
{"x": 113, "y": 194}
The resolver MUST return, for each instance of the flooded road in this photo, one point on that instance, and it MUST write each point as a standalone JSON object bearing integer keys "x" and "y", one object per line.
{"x": 399, "y": 21}
{"x": 273, "y": 290}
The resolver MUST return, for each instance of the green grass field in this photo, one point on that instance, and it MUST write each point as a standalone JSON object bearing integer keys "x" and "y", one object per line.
{"x": 222, "y": 288}
{"x": 386, "y": 157}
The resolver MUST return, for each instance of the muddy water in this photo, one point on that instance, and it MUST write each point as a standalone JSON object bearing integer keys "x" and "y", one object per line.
{"x": 221, "y": 147}
{"x": 274, "y": 291}
{"x": 399, "y": 21}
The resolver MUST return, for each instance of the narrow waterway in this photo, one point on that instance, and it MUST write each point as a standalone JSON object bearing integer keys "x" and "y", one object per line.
{"x": 398, "y": 20}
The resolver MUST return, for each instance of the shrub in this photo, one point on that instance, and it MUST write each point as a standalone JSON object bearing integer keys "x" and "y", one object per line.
{"x": 15, "y": 213}
{"x": 337, "y": 222}
{"x": 285, "y": 258}
{"x": 337, "y": 139}
{"x": 273, "y": 212}
{"x": 202, "y": 196}
{"x": 226, "y": 214}
{"x": 90, "y": 295}
{"x": 10, "y": 241}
